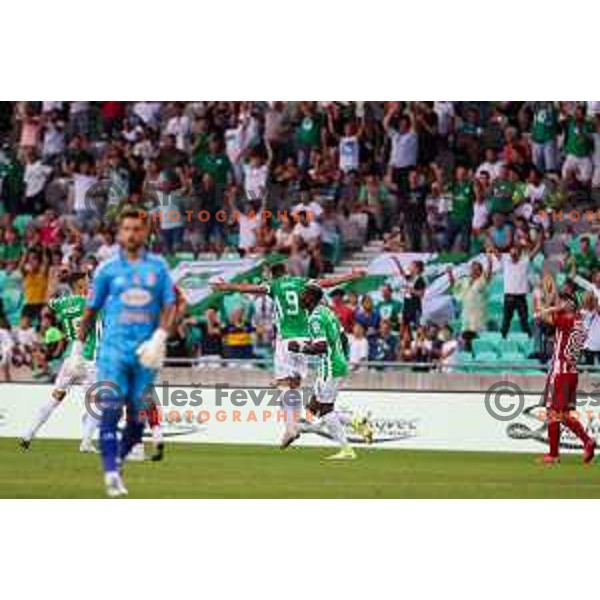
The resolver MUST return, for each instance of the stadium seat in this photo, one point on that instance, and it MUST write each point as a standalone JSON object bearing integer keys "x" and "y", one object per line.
{"x": 520, "y": 337}
{"x": 484, "y": 347}
{"x": 494, "y": 337}
{"x": 509, "y": 347}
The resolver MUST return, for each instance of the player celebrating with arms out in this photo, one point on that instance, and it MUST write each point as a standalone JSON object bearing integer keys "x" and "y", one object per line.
{"x": 561, "y": 388}
{"x": 291, "y": 324}
{"x": 328, "y": 341}
{"x": 136, "y": 293}
{"x": 78, "y": 367}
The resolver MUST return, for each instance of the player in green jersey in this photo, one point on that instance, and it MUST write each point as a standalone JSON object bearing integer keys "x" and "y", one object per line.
{"x": 327, "y": 341}
{"x": 78, "y": 367}
{"x": 291, "y": 325}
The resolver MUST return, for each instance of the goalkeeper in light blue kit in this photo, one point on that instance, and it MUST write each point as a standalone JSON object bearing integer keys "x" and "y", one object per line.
{"x": 136, "y": 294}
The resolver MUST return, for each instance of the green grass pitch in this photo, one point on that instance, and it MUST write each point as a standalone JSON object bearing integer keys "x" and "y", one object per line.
{"x": 55, "y": 469}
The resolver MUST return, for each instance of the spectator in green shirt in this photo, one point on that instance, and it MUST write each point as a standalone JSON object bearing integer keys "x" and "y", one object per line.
{"x": 216, "y": 164}
{"x": 461, "y": 213}
{"x": 11, "y": 247}
{"x": 544, "y": 130}
{"x": 389, "y": 308}
{"x": 309, "y": 133}
{"x": 584, "y": 262}
{"x": 503, "y": 190}
{"x": 579, "y": 146}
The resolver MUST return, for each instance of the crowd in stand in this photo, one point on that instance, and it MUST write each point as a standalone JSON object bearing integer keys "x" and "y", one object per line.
{"x": 312, "y": 180}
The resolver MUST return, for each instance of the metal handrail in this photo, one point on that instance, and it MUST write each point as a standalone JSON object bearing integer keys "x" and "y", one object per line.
{"x": 200, "y": 361}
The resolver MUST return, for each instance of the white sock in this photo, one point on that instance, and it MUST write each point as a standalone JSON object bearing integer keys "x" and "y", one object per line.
{"x": 345, "y": 418}
{"x": 310, "y": 426}
{"x": 42, "y": 417}
{"x": 157, "y": 435}
{"x": 333, "y": 423}
{"x": 90, "y": 423}
{"x": 291, "y": 411}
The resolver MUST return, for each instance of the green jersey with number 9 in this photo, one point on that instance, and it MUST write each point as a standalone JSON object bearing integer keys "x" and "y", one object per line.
{"x": 324, "y": 325}
{"x": 69, "y": 312}
{"x": 290, "y": 317}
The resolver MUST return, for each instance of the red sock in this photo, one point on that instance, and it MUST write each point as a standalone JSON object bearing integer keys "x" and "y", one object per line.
{"x": 153, "y": 417}
{"x": 577, "y": 428}
{"x": 553, "y": 435}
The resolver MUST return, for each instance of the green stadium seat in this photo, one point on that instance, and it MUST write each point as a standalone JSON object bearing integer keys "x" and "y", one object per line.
{"x": 494, "y": 337}
{"x": 519, "y": 336}
{"x": 487, "y": 357}
{"x": 509, "y": 347}
{"x": 483, "y": 346}
{"x": 465, "y": 363}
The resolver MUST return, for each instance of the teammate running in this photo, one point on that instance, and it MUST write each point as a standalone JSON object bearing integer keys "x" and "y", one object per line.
{"x": 329, "y": 342}
{"x": 561, "y": 388}
{"x": 291, "y": 325}
{"x": 78, "y": 367}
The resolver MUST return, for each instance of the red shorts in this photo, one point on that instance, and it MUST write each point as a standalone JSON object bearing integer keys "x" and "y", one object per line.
{"x": 562, "y": 391}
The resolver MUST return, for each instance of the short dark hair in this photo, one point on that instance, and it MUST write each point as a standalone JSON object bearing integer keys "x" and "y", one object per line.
{"x": 315, "y": 290}
{"x": 131, "y": 212}
{"x": 278, "y": 269}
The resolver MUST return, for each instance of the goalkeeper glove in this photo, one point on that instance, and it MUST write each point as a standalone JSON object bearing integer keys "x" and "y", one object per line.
{"x": 152, "y": 352}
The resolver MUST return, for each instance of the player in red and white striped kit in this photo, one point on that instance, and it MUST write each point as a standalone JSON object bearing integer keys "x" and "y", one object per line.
{"x": 561, "y": 388}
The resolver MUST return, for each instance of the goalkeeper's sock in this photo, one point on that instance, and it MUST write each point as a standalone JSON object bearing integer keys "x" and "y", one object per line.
{"x": 89, "y": 425}
{"x": 109, "y": 441}
{"x": 42, "y": 417}
{"x": 335, "y": 427}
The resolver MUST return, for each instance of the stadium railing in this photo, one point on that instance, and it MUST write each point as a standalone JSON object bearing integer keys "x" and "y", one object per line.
{"x": 409, "y": 376}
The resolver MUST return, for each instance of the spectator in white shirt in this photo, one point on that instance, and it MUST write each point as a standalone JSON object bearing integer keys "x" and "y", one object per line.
{"x": 405, "y": 147}
{"x": 359, "y": 347}
{"x": 312, "y": 207}
{"x": 491, "y": 165}
{"x": 108, "y": 248}
{"x": 180, "y": 126}
{"x": 250, "y": 219}
{"x": 445, "y": 113}
{"x": 6, "y": 348}
{"x": 349, "y": 149}
{"x": 256, "y": 174}
{"x": 53, "y": 142}
{"x": 307, "y": 229}
{"x": 591, "y": 318}
{"x": 81, "y": 199}
{"x": 148, "y": 113}
{"x": 35, "y": 178}
{"x": 515, "y": 266}
{"x": 79, "y": 120}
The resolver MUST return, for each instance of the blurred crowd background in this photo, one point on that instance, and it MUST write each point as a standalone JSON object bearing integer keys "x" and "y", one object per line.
{"x": 458, "y": 179}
